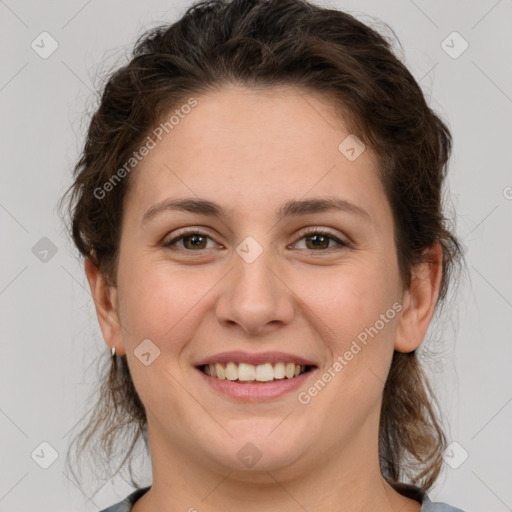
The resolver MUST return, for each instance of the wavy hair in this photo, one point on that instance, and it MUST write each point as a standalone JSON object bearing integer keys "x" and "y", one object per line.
{"x": 268, "y": 43}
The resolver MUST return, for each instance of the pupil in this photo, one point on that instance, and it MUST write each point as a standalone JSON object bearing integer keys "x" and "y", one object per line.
{"x": 195, "y": 237}
{"x": 322, "y": 237}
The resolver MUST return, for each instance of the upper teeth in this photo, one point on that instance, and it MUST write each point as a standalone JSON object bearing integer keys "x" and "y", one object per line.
{"x": 248, "y": 372}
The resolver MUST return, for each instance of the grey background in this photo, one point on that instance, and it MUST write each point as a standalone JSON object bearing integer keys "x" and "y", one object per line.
{"x": 49, "y": 333}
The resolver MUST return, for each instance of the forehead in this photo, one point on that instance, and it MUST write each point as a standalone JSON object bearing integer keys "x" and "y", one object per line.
{"x": 250, "y": 149}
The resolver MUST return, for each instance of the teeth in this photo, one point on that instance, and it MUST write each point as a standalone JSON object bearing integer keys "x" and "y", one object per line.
{"x": 279, "y": 372}
{"x": 244, "y": 372}
{"x": 265, "y": 372}
{"x": 219, "y": 370}
{"x": 231, "y": 371}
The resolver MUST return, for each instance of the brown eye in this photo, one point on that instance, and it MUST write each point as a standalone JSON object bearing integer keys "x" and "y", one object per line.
{"x": 319, "y": 241}
{"x": 191, "y": 241}
{"x": 194, "y": 242}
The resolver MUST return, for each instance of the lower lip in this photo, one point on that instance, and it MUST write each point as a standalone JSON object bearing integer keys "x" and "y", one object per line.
{"x": 256, "y": 392}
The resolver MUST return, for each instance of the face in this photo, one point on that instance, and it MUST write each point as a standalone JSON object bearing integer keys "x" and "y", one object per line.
{"x": 252, "y": 283}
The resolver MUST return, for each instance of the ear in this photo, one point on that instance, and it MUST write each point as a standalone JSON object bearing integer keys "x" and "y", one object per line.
{"x": 105, "y": 301}
{"x": 419, "y": 301}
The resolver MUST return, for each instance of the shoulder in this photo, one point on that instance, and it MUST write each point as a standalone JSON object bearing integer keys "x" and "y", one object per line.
{"x": 416, "y": 493}
{"x": 127, "y": 504}
{"x": 429, "y": 506}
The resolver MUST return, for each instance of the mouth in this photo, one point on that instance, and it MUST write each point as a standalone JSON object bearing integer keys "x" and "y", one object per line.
{"x": 245, "y": 373}
{"x": 255, "y": 377}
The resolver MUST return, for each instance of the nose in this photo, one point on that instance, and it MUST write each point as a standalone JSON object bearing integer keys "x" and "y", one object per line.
{"x": 255, "y": 297}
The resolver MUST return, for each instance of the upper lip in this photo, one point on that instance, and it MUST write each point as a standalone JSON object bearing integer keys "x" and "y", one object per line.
{"x": 255, "y": 358}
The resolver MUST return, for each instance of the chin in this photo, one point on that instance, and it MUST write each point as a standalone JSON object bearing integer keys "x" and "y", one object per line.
{"x": 251, "y": 455}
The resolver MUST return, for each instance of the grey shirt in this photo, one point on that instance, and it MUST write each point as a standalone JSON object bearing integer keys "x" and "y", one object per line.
{"x": 413, "y": 492}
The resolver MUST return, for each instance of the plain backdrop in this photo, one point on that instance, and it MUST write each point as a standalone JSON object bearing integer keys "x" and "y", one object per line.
{"x": 49, "y": 334}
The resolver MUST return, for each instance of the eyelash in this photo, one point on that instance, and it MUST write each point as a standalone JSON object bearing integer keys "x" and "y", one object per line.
{"x": 315, "y": 231}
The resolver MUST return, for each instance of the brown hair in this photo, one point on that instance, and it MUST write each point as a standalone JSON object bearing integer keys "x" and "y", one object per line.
{"x": 259, "y": 43}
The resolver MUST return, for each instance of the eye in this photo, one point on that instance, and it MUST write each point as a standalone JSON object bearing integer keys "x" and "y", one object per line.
{"x": 191, "y": 240}
{"x": 315, "y": 240}
{"x": 318, "y": 239}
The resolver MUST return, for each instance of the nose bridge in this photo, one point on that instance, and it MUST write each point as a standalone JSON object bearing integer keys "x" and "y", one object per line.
{"x": 255, "y": 296}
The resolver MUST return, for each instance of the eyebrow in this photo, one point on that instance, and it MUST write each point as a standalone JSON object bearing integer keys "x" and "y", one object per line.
{"x": 292, "y": 208}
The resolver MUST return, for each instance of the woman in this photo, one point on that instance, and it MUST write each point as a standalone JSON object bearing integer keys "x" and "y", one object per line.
{"x": 259, "y": 208}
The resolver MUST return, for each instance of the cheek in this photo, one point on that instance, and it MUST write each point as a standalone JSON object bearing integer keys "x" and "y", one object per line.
{"x": 346, "y": 308}
{"x": 161, "y": 303}
{"x": 350, "y": 301}
{"x": 355, "y": 313}
{"x": 164, "y": 306}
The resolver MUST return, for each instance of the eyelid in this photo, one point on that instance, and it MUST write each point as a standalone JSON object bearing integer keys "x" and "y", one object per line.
{"x": 189, "y": 231}
{"x": 308, "y": 231}
{"x": 323, "y": 231}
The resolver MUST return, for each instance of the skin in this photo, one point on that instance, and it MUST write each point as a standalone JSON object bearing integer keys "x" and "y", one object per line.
{"x": 251, "y": 151}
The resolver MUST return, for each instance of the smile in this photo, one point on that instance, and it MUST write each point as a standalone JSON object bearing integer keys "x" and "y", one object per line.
{"x": 255, "y": 377}
{"x": 249, "y": 373}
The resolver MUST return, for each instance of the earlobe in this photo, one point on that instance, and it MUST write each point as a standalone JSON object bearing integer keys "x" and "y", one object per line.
{"x": 105, "y": 302}
{"x": 419, "y": 301}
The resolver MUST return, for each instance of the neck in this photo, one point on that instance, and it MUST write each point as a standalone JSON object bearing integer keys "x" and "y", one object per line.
{"x": 348, "y": 481}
